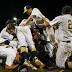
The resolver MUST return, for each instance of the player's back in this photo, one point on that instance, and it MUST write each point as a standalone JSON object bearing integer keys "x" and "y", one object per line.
{"x": 65, "y": 28}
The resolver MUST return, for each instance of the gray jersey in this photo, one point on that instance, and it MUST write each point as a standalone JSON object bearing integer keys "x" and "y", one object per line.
{"x": 65, "y": 26}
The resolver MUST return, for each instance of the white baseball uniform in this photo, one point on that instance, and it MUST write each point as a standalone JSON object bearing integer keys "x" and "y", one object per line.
{"x": 4, "y": 34}
{"x": 7, "y": 51}
{"x": 37, "y": 12}
{"x": 25, "y": 37}
{"x": 64, "y": 38}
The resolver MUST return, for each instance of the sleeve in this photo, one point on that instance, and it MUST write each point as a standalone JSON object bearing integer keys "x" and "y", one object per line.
{"x": 37, "y": 13}
{"x": 56, "y": 20}
{"x": 6, "y": 35}
{"x": 23, "y": 22}
{"x": 13, "y": 43}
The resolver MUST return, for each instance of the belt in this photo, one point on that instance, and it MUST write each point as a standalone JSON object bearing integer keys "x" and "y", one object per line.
{"x": 66, "y": 41}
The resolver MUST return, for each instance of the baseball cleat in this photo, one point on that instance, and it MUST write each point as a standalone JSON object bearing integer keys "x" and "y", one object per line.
{"x": 38, "y": 63}
{"x": 28, "y": 64}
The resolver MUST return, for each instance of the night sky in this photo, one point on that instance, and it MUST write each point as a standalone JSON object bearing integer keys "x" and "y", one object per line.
{"x": 11, "y": 8}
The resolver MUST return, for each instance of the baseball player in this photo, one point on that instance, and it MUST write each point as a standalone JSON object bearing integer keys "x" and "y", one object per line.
{"x": 35, "y": 15}
{"x": 10, "y": 54}
{"x": 9, "y": 33}
{"x": 39, "y": 20}
{"x": 64, "y": 36}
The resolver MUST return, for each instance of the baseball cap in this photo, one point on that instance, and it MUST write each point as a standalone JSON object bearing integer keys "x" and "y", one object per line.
{"x": 26, "y": 8}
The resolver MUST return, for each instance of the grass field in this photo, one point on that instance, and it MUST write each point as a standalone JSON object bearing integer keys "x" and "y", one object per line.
{"x": 39, "y": 70}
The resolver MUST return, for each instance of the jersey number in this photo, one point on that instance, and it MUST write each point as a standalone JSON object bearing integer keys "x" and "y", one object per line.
{"x": 70, "y": 25}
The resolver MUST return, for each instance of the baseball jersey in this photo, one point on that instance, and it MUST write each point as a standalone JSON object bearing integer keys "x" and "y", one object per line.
{"x": 6, "y": 35}
{"x": 37, "y": 13}
{"x": 65, "y": 26}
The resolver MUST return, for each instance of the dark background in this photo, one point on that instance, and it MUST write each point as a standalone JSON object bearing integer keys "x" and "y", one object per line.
{"x": 11, "y": 8}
